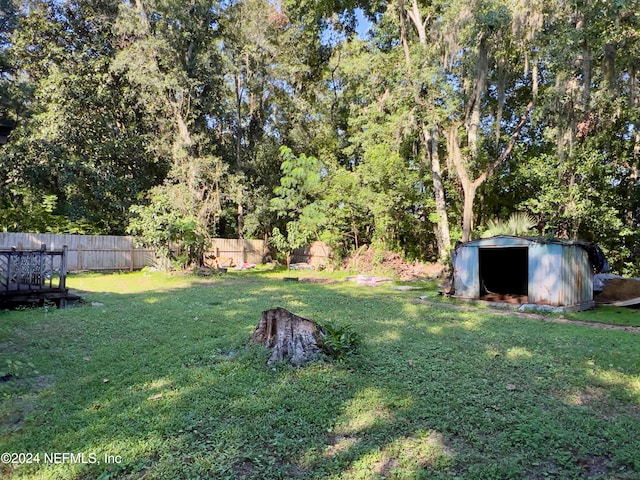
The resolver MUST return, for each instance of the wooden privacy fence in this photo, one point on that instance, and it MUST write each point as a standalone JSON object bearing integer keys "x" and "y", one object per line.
{"x": 317, "y": 254}
{"x": 239, "y": 250}
{"x": 85, "y": 252}
{"x": 110, "y": 252}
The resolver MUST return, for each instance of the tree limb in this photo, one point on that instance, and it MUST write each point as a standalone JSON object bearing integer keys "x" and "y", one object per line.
{"x": 507, "y": 149}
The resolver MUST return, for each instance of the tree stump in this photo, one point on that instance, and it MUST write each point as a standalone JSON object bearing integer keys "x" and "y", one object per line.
{"x": 290, "y": 337}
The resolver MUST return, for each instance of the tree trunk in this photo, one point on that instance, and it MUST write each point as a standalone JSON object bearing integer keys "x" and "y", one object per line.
{"x": 443, "y": 236}
{"x": 403, "y": 34}
{"x": 634, "y": 94}
{"x": 291, "y": 338}
{"x": 239, "y": 132}
{"x": 169, "y": 99}
{"x": 469, "y": 186}
{"x": 429, "y": 133}
{"x": 240, "y": 219}
{"x": 474, "y": 112}
{"x": 419, "y": 23}
{"x": 470, "y": 190}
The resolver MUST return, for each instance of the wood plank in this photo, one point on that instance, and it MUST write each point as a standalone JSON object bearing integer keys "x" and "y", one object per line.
{"x": 626, "y": 303}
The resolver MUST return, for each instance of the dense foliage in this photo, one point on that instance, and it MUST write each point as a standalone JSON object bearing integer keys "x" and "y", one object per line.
{"x": 406, "y": 122}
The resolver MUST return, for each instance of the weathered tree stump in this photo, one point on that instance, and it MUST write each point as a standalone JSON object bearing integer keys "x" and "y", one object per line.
{"x": 290, "y": 337}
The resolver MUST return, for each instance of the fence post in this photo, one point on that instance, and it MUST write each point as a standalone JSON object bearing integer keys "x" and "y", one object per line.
{"x": 63, "y": 267}
{"x": 79, "y": 256}
{"x": 13, "y": 250}
{"x": 42, "y": 260}
{"x": 131, "y": 251}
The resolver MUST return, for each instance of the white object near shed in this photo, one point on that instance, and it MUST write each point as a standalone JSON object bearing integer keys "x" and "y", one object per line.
{"x": 524, "y": 270}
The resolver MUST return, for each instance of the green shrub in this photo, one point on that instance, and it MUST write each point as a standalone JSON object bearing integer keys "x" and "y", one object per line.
{"x": 339, "y": 341}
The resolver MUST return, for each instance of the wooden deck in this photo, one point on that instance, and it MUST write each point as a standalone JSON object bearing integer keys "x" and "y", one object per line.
{"x": 33, "y": 277}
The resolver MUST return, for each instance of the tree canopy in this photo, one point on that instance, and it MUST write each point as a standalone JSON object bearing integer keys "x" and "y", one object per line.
{"x": 410, "y": 123}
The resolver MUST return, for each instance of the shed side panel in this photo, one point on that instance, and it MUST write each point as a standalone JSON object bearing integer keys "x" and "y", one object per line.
{"x": 559, "y": 275}
{"x": 571, "y": 281}
{"x": 587, "y": 278}
{"x": 578, "y": 281}
{"x": 466, "y": 277}
{"x": 545, "y": 276}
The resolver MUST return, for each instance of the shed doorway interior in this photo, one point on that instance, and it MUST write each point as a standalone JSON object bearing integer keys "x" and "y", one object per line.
{"x": 504, "y": 274}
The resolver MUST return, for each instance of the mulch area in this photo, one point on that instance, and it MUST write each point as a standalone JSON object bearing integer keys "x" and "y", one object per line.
{"x": 618, "y": 289}
{"x": 509, "y": 298}
{"x": 368, "y": 259}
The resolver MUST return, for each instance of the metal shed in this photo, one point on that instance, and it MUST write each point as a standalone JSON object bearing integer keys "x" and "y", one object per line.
{"x": 525, "y": 270}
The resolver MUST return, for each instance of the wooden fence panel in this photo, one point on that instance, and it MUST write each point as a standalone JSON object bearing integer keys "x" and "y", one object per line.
{"x": 85, "y": 252}
{"x": 240, "y": 250}
{"x": 316, "y": 253}
{"x": 110, "y": 252}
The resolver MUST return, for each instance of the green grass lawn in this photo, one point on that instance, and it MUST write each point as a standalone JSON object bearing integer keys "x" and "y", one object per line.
{"x": 151, "y": 379}
{"x": 609, "y": 314}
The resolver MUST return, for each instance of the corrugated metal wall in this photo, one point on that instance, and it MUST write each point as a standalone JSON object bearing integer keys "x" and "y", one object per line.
{"x": 110, "y": 252}
{"x": 466, "y": 275}
{"x": 577, "y": 280}
{"x": 559, "y": 273}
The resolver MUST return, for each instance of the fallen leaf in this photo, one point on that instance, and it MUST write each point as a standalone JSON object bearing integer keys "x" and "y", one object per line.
{"x": 105, "y": 380}
{"x": 511, "y": 386}
{"x": 156, "y": 396}
{"x": 86, "y": 358}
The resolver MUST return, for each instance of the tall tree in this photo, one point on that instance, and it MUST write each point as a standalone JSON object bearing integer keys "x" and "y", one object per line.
{"x": 168, "y": 50}
{"x": 83, "y": 137}
{"x": 587, "y": 126}
{"x": 8, "y": 20}
{"x": 428, "y": 131}
{"x": 483, "y": 49}
{"x": 421, "y": 129}
{"x": 382, "y": 149}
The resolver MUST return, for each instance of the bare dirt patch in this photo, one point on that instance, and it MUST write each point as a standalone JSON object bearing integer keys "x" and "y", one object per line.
{"x": 369, "y": 259}
{"x": 618, "y": 289}
{"x": 13, "y": 414}
{"x": 337, "y": 444}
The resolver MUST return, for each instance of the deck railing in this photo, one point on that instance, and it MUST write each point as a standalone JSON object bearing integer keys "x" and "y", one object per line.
{"x": 31, "y": 270}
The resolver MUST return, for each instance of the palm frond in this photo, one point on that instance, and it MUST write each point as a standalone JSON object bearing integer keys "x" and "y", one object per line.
{"x": 518, "y": 223}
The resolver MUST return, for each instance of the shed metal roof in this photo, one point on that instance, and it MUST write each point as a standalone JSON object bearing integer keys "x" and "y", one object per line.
{"x": 504, "y": 240}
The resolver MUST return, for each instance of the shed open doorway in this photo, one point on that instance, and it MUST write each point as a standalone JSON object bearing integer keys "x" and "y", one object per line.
{"x": 504, "y": 274}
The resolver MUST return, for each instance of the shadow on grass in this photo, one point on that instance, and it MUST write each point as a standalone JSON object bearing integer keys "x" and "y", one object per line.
{"x": 162, "y": 384}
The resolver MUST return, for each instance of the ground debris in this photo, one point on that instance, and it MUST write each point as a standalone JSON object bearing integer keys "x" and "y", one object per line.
{"x": 617, "y": 290}
{"x": 368, "y": 259}
{"x": 370, "y": 280}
